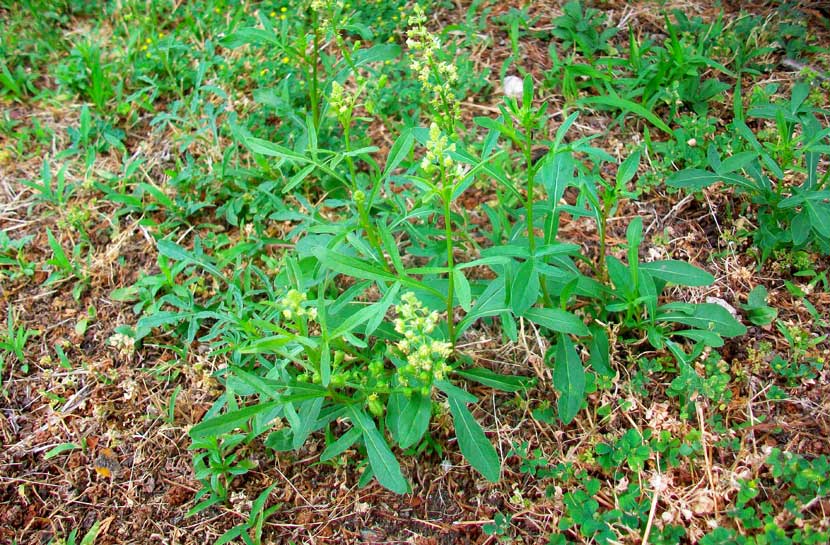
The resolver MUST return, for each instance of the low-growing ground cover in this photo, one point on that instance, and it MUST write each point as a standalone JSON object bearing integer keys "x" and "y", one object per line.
{"x": 329, "y": 272}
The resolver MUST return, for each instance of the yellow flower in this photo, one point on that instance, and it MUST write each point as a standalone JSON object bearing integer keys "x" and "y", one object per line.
{"x": 283, "y": 9}
{"x": 282, "y": 17}
{"x": 286, "y": 60}
{"x": 272, "y": 14}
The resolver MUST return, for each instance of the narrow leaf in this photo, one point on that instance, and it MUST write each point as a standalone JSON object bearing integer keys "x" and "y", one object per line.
{"x": 568, "y": 379}
{"x": 473, "y": 443}
{"x": 385, "y": 467}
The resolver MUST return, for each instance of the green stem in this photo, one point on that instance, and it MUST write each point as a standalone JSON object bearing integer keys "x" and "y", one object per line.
{"x": 362, "y": 209}
{"x": 602, "y": 271}
{"x": 447, "y": 198}
{"x": 531, "y": 238}
{"x": 531, "y": 175}
{"x": 315, "y": 113}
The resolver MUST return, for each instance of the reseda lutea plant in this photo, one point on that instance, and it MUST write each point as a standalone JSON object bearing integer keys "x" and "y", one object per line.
{"x": 325, "y": 357}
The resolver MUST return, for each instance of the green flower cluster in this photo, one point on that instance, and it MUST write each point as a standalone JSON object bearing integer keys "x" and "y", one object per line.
{"x": 438, "y": 159}
{"x": 340, "y": 102}
{"x": 437, "y": 77}
{"x": 329, "y": 13}
{"x": 426, "y": 358}
{"x": 292, "y": 306}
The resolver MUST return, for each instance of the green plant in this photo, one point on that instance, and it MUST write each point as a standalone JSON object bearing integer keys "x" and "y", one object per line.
{"x": 215, "y": 464}
{"x": 582, "y": 29}
{"x": 772, "y": 518}
{"x": 72, "y": 539}
{"x": 57, "y": 194}
{"x": 12, "y": 255}
{"x": 14, "y": 341}
{"x": 65, "y": 268}
{"x": 499, "y": 528}
{"x": 789, "y": 216}
{"x": 631, "y": 449}
{"x": 758, "y": 311}
{"x": 87, "y": 72}
{"x": 256, "y": 519}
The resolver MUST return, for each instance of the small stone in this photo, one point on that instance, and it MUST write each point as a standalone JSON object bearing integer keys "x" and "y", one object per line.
{"x": 720, "y": 302}
{"x": 513, "y": 86}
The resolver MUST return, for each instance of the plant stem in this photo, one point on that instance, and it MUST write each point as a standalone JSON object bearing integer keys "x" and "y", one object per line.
{"x": 362, "y": 210}
{"x": 531, "y": 175}
{"x": 446, "y": 194}
{"x": 602, "y": 270}
{"x": 531, "y": 239}
{"x": 315, "y": 114}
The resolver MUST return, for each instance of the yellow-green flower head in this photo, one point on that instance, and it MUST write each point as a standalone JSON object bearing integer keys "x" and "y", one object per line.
{"x": 438, "y": 152}
{"x": 292, "y": 304}
{"x": 436, "y": 76}
{"x": 425, "y": 357}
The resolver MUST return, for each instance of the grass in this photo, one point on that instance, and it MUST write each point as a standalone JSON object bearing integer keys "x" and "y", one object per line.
{"x": 300, "y": 272}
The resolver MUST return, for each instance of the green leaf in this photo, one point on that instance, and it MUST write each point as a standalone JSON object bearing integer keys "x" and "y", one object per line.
{"x": 706, "y": 316}
{"x": 600, "y": 354}
{"x": 361, "y": 269}
{"x": 59, "y": 256}
{"x": 678, "y": 272}
{"x": 628, "y": 168}
{"x": 454, "y": 391}
{"x": 268, "y": 388}
{"x": 399, "y": 151}
{"x": 473, "y": 442}
{"x": 695, "y": 179}
{"x": 819, "y": 217}
{"x": 620, "y": 276}
{"x": 160, "y": 318}
{"x": 758, "y": 311}
{"x": 231, "y": 534}
{"x": 343, "y": 442}
{"x": 490, "y": 303}
{"x": 382, "y": 306}
{"x": 634, "y": 236}
{"x": 557, "y": 320}
{"x": 376, "y": 53}
{"x": 267, "y": 345}
{"x": 692, "y": 178}
{"x": 391, "y": 246}
{"x": 628, "y": 106}
{"x": 226, "y": 423}
{"x": 525, "y": 290}
{"x": 177, "y": 253}
{"x": 352, "y": 266}
{"x": 92, "y": 534}
{"x": 709, "y": 338}
{"x": 505, "y": 383}
{"x": 356, "y": 318}
{"x": 60, "y": 449}
{"x": 462, "y": 289}
{"x": 408, "y": 417}
{"x": 249, "y": 35}
{"x": 302, "y": 391}
{"x": 385, "y": 467}
{"x": 325, "y": 364}
{"x": 568, "y": 379}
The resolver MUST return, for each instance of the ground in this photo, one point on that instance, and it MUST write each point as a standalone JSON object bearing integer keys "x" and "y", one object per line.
{"x": 95, "y": 430}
